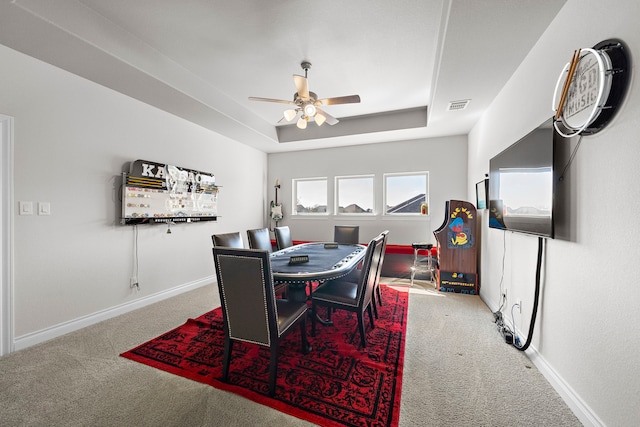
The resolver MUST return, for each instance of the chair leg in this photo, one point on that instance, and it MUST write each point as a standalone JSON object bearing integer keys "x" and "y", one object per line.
{"x": 379, "y": 295}
{"x": 363, "y": 341}
{"x": 370, "y": 310}
{"x": 313, "y": 318}
{"x": 273, "y": 369}
{"x": 226, "y": 361}
{"x": 306, "y": 347}
{"x": 375, "y": 305}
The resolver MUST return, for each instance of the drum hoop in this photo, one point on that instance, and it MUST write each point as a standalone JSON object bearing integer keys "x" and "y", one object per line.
{"x": 605, "y": 82}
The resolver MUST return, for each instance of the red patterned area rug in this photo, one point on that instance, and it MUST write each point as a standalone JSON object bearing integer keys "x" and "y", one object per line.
{"x": 335, "y": 385}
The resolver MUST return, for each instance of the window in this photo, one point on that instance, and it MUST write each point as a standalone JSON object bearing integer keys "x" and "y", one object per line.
{"x": 310, "y": 196}
{"x": 354, "y": 195}
{"x": 406, "y": 193}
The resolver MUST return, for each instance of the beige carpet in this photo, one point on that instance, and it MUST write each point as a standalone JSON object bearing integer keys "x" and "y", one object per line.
{"x": 458, "y": 372}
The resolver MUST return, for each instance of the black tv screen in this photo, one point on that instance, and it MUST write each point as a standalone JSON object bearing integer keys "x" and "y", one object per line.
{"x": 521, "y": 185}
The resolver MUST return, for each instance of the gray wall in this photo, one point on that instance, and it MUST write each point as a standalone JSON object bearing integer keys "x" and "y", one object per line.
{"x": 72, "y": 138}
{"x": 586, "y": 338}
{"x": 443, "y": 158}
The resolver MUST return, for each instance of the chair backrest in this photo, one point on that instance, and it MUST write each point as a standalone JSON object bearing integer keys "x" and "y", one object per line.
{"x": 283, "y": 237}
{"x": 259, "y": 239}
{"x": 229, "y": 240}
{"x": 367, "y": 278}
{"x": 384, "y": 235}
{"x": 245, "y": 283}
{"x": 346, "y": 234}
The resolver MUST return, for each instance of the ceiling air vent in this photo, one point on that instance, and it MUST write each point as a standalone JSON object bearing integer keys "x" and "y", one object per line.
{"x": 458, "y": 105}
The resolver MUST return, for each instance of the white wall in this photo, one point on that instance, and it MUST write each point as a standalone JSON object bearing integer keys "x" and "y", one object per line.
{"x": 586, "y": 338}
{"x": 72, "y": 139}
{"x": 444, "y": 158}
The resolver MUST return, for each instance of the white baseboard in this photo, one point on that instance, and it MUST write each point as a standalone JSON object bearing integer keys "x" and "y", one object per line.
{"x": 58, "y": 330}
{"x": 580, "y": 409}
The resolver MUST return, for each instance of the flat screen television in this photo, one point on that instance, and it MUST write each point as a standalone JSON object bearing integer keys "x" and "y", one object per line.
{"x": 522, "y": 184}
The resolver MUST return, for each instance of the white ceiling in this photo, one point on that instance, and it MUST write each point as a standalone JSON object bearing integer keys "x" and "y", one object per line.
{"x": 202, "y": 59}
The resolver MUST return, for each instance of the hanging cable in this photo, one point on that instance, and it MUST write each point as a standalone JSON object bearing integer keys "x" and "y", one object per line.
{"x": 535, "y": 300}
{"x": 136, "y": 284}
{"x": 504, "y": 254}
{"x": 573, "y": 154}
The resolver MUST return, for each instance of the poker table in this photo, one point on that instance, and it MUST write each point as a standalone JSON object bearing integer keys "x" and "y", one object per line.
{"x": 318, "y": 262}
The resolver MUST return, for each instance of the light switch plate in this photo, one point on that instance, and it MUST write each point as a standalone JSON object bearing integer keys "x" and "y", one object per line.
{"x": 44, "y": 208}
{"x": 25, "y": 208}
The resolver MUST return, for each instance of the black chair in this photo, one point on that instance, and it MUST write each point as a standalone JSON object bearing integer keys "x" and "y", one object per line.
{"x": 377, "y": 294}
{"x": 251, "y": 312}
{"x": 230, "y": 240}
{"x": 346, "y": 234}
{"x": 355, "y": 297}
{"x": 260, "y": 239}
{"x": 283, "y": 237}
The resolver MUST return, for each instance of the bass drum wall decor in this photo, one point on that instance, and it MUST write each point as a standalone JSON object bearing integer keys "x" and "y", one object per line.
{"x": 595, "y": 89}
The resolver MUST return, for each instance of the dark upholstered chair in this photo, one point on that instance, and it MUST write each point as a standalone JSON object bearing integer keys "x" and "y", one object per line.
{"x": 346, "y": 234}
{"x": 230, "y": 240}
{"x": 259, "y": 239}
{"x": 377, "y": 295}
{"x": 283, "y": 237}
{"x": 251, "y": 312}
{"x": 355, "y": 297}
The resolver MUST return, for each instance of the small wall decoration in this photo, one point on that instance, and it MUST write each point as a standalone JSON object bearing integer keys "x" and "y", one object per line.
{"x": 276, "y": 208}
{"x": 167, "y": 194}
{"x": 481, "y": 194}
{"x": 590, "y": 88}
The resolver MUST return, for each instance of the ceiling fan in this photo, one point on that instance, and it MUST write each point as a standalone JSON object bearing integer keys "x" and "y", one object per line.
{"x": 307, "y": 103}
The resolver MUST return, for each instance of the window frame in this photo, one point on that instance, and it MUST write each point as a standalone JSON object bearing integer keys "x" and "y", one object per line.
{"x": 336, "y": 195}
{"x": 294, "y": 197}
{"x": 387, "y": 175}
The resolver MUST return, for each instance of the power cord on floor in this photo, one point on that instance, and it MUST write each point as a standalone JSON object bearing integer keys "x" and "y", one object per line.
{"x": 503, "y": 329}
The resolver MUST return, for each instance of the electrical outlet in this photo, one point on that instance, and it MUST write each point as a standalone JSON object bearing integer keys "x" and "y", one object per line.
{"x": 519, "y": 304}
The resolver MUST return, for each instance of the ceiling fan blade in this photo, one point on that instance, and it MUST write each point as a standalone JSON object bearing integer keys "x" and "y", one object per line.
{"x": 350, "y": 99}
{"x": 281, "y": 101}
{"x": 302, "y": 86}
{"x": 328, "y": 118}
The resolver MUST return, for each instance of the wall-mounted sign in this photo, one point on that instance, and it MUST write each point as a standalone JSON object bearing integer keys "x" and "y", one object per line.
{"x": 590, "y": 88}
{"x": 159, "y": 193}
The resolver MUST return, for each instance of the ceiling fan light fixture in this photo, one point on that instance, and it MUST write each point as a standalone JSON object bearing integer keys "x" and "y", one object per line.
{"x": 302, "y": 122}
{"x": 307, "y": 103}
{"x": 290, "y": 115}
{"x": 320, "y": 119}
{"x": 310, "y": 110}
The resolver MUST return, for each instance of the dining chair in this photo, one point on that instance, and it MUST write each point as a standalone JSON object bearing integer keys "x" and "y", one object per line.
{"x": 355, "y": 297}
{"x": 346, "y": 234}
{"x": 377, "y": 294}
{"x": 283, "y": 237}
{"x": 260, "y": 239}
{"x": 230, "y": 240}
{"x": 251, "y": 312}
